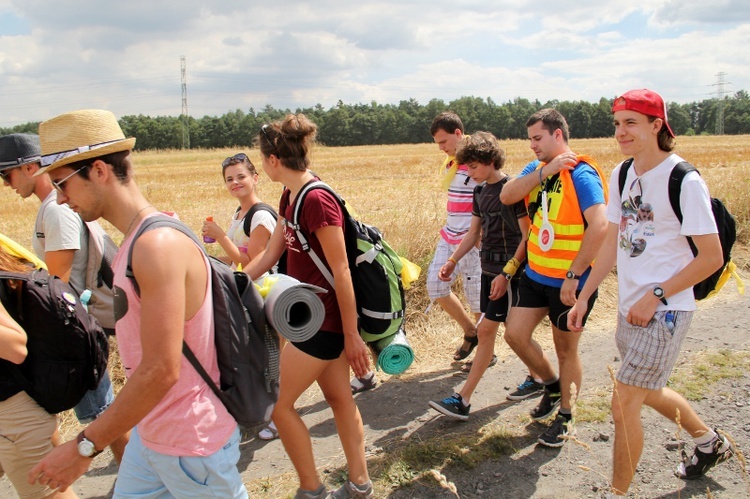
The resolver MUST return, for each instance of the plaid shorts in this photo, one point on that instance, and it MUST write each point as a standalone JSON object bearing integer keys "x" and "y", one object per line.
{"x": 649, "y": 353}
{"x": 469, "y": 267}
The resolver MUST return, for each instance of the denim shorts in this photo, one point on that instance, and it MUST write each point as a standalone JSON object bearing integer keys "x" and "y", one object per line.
{"x": 95, "y": 401}
{"x": 147, "y": 474}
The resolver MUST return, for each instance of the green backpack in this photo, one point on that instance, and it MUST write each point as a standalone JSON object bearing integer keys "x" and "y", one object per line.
{"x": 375, "y": 269}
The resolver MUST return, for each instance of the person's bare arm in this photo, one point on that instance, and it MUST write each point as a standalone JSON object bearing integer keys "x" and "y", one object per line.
{"x": 593, "y": 237}
{"x": 708, "y": 260}
{"x": 268, "y": 258}
{"x": 60, "y": 263}
{"x": 471, "y": 238}
{"x": 605, "y": 262}
{"x": 516, "y": 189}
{"x": 12, "y": 338}
{"x": 331, "y": 240}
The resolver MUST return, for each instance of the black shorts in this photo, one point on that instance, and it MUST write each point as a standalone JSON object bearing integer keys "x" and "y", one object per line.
{"x": 535, "y": 295}
{"x": 324, "y": 345}
{"x": 497, "y": 310}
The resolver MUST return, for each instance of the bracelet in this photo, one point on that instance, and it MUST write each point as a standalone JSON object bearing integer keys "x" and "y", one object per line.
{"x": 451, "y": 259}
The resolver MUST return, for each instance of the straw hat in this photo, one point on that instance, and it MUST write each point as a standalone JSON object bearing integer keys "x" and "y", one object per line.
{"x": 18, "y": 149}
{"x": 79, "y": 135}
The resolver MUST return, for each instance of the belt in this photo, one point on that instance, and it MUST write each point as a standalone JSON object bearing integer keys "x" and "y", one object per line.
{"x": 492, "y": 256}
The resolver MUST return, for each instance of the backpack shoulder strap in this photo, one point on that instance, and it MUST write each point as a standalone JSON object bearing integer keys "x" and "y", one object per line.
{"x": 624, "y": 173}
{"x": 154, "y": 223}
{"x": 247, "y": 221}
{"x": 294, "y": 224}
{"x": 675, "y": 185}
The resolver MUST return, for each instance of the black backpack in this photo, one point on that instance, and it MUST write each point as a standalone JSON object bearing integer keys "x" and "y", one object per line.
{"x": 725, "y": 222}
{"x": 67, "y": 348}
{"x": 247, "y": 221}
{"x": 247, "y": 351}
{"x": 375, "y": 269}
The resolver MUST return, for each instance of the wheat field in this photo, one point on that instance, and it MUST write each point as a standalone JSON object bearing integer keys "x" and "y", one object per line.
{"x": 396, "y": 188}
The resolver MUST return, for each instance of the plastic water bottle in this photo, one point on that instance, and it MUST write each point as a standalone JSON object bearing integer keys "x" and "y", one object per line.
{"x": 85, "y": 297}
{"x": 207, "y": 239}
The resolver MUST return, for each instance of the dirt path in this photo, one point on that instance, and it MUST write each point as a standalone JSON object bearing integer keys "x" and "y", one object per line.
{"x": 398, "y": 410}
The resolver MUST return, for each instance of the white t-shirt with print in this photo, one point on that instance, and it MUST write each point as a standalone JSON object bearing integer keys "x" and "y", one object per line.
{"x": 652, "y": 246}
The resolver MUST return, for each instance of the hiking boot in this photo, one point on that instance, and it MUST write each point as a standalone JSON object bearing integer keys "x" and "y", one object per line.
{"x": 320, "y": 493}
{"x": 363, "y": 491}
{"x": 453, "y": 407}
{"x": 555, "y": 435}
{"x": 529, "y": 388}
{"x": 697, "y": 466}
{"x": 550, "y": 401}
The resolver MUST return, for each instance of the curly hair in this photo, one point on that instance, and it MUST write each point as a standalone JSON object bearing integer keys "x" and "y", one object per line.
{"x": 480, "y": 147}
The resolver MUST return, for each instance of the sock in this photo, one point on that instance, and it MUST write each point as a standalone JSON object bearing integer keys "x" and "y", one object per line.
{"x": 363, "y": 487}
{"x": 566, "y": 413}
{"x": 460, "y": 399}
{"x": 538, "y": 380}
{"x": 553, "y": 386}
{"x": 314, "y": 493}
{"x": 705, "y": 442}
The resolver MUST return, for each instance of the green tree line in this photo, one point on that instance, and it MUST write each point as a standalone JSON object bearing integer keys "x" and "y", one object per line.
{"x": 408, "y": 121}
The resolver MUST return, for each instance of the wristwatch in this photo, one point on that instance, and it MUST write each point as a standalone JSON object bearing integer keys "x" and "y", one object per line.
{"x": 86, "y": 447}
{"x": 507, "y": 275}
{"x": 659, "y": 293}
{"x": 571, "y": 275}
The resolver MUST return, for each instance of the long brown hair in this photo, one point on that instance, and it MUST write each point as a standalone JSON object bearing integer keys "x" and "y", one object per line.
{"x": 10, "y": 263}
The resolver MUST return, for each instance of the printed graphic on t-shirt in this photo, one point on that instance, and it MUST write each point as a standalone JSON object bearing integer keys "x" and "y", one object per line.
{"x": 636, "y": 222}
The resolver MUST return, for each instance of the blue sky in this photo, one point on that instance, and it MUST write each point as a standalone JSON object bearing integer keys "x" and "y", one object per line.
{"x": 125, "y": 56}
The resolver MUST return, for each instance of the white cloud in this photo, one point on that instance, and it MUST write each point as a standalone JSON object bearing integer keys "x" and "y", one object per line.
{"x": 126, "y": 56}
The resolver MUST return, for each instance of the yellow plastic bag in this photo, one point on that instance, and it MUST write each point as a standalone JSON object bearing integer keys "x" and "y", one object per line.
{"x": 409, "y": 272}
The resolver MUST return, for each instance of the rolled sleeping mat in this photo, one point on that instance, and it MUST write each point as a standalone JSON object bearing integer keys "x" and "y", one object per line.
{"x": 293, "y": 308}
{"x": 395, "y": 355}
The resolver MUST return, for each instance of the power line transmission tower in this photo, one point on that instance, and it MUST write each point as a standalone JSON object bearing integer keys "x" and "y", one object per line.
{"x": 184, "y": 118}
{"x": 720, "y": 93}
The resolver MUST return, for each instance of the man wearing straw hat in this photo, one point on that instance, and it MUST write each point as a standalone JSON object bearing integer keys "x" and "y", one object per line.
{"x": 61, "y": 240}
{"x": 184, "y": 442}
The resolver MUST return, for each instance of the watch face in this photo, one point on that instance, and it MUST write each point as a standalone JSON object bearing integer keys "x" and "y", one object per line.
{"x": 658, "y": 292}
{"x": 86, "y": 448}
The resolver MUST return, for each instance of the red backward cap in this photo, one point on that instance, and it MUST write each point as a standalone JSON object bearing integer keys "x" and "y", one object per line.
{"x": 643, "y": 101}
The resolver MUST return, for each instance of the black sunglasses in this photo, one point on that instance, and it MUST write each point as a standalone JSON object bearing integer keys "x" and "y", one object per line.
{"x": 237, "y": 158}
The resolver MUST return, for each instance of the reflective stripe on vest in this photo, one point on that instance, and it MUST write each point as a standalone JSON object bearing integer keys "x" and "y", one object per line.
{"x": 566, "y": 218}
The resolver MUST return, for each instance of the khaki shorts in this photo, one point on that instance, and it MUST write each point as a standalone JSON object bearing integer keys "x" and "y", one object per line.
{"x": 25, "y": 438}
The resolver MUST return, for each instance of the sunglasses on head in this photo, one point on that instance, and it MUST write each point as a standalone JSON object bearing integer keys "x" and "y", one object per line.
{"x": 237, "y": 158}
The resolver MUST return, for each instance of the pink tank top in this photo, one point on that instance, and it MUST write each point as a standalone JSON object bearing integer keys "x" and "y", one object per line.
{"x": 190, "y": 420}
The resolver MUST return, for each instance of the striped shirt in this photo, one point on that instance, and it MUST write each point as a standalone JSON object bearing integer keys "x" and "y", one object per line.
{"x": 459, "y": 204}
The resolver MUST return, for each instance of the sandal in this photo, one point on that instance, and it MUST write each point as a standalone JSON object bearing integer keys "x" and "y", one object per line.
{"x": 466, "y": 368}
{"x": 269, "y": 432}
{"x": 461, "y": 354}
